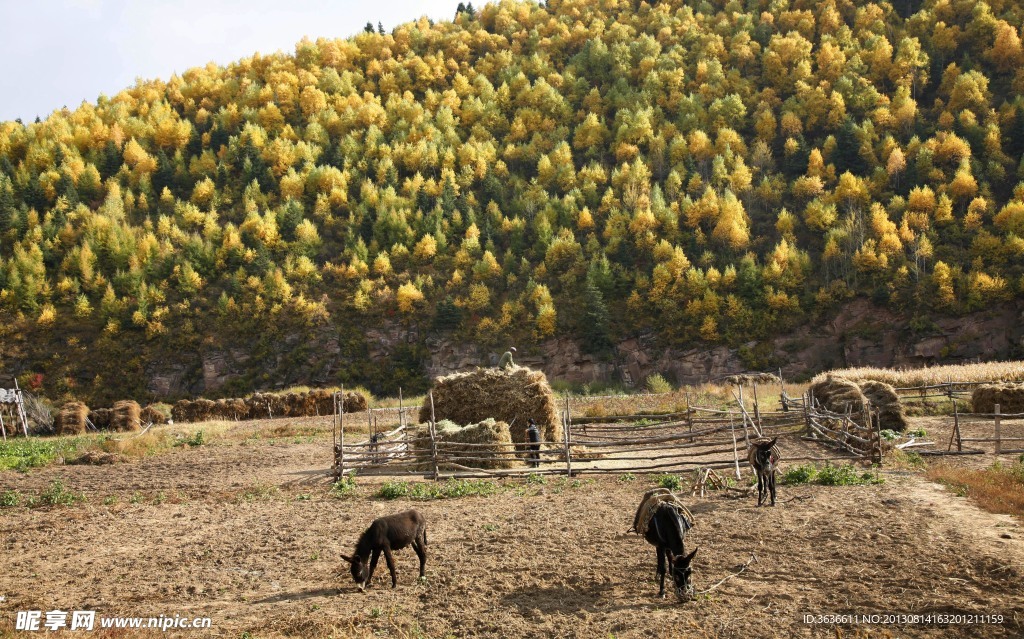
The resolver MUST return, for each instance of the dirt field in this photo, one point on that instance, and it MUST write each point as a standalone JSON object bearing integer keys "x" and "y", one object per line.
{"x": 245, "y": 532}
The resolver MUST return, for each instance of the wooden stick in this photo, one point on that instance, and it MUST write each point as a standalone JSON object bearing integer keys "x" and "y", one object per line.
{"x": 565, "y": 436}
{"x": 753, "y": 559}
{"x": 997, "y": 435}
{"x": 736, "y": 455}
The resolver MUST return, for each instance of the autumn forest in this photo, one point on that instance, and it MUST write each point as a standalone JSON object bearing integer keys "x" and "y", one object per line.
{"x": 704, "y": 172}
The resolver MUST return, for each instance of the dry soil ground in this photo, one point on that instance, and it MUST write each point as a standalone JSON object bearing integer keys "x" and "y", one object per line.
{"x": 248, "y": 534}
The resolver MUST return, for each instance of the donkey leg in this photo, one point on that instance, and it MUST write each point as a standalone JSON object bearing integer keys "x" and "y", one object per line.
{"x": 420, "y": 546}
{"x": 760, "y": 487}
{"x": 373, "y": 566}
{"x": 391, "y": 566}
{"x": 661, "y": 570}
{"x": 771, "y": 485}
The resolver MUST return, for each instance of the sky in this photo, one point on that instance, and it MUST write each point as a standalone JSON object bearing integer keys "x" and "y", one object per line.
{"x": 56, "y": 53}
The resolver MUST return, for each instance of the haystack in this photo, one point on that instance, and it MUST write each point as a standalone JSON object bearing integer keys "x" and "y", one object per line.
{"x": 322, "y": 401}
{"x": 152, "y": 415}
{"x": 886, "y": 402}
{"x": 747, "y": 379}
{"x": 839, "y": 395}
{"x": 71, "y": 419}
{"x": 489, "y": 440}
{"x": 355, "y": 402}
{"x": 1009, "y": 396}
{"x": 127, "y": 416}
{"x": 182, "y": 411}
{"x": 512, "y": 395}
{"x": 100, "y": 418}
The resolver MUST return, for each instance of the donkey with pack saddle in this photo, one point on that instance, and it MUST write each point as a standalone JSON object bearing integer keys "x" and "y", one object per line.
{"x": 663, "y": 520}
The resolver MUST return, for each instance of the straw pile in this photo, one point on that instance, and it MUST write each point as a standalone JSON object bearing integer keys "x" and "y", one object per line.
{"x": 488, "y": 440}
{"x": 127, "y": 416}
{"x": 265, "y": 406}
{"x": 513, "y": 396}
{"x": 355, "y": 402}
{"x": 1009, "y": 396}
{"x": 747, "y": 379}
{"x": 839, "y": 395}
{"x": 71, "y": 419}
{"x": 152, "y": 415}
{"x": 100, "y": 418}
{"x": 886, "y": 402}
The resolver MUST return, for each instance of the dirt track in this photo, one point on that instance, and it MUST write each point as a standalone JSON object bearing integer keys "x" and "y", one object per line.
{"x": 534, "y": 560}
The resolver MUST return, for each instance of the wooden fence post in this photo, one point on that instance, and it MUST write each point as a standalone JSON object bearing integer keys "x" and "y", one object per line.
{"x": 807, "y": 413}
{"x": 433, "y": 438}
{"x": 999, "y": 443}
{"x": 339, "y": 418}
{"x": 565, "y": 439}
{"x": 735, "y": 453}
{"x": 757, "y": 409}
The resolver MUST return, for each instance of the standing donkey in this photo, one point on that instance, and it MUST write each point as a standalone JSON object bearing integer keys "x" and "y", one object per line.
{"x": 764, "y": 457}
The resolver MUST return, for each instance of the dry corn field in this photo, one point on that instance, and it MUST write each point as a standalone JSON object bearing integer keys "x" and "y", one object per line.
{"x": 914, "y": 377}
{"x": 245, "y": 528}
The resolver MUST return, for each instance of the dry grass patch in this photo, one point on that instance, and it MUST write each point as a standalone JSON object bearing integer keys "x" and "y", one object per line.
{"x": 907, "y": 378}
{"x": 998, "y": 489}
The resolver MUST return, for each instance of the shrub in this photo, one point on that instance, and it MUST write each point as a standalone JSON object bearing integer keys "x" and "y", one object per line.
{"x": 57, "y": 494}
{"x": 672, "y": 482}
{"x": 9, "y": 499}
{"x": 344, "y": 487}
{"x": 393, "y": 490}
{"x": 658, "y": 384}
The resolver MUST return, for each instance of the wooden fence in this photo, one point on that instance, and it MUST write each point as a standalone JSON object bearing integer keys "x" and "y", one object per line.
{"x": 699, "y": 438}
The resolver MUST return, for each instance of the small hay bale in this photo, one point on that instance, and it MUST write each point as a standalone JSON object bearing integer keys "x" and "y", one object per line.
{"x": 355, "y": 402}
{"x": 152, "y": 415}
{"x": 100, "y": 418}
{"x": 71, "y": 419}
{"x": 1009, "y": 396}
{"x": 497, "y": 450}
{"x": 839, "y": 395}
{"x": 322, "y": 401}
{"x": 236, "y": 409}
{"x": 127, "y": 416}
{"x": 886, "y": 401}
{"x": 512, "y": 395}
{"x": 203, "y": 410}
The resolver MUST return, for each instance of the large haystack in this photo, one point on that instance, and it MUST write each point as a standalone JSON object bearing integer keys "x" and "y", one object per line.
{"x": 512, "y": 395}
{"x": 355, "y": 402}
{"x": 490, "y": 441}
{"x": 839, "y": 395}
{"x": 71, "y": 419}
{"x": 886, "y": 403}
{"x": 181, "y": 412}
{"x": 127, "y": 416}
{"x": 1009, "y": 396}
{"x": 322, "y": 401}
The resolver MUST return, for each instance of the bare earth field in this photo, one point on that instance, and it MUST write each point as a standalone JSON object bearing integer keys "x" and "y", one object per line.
{"x": 246, "y": 532}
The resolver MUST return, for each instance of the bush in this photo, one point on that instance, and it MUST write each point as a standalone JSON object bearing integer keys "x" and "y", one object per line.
{"x": 658, "y": 384}
{"x": 344, "y": 487}
{"x": 57, "y": 494}
{"x": 9, "y": 499}
{"x": 672, "y": 482}
{"x": 829, "y": 475}
{"x": 393, "y": 490}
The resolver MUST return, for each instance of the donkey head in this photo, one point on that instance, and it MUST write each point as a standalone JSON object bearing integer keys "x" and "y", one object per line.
{"x": 763, "y": 455}
{"x": 360, "y": 570}
{"x": 681, "y": 573}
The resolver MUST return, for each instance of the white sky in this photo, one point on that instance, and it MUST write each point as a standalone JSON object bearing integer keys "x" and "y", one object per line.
{"x": 56, "y": 53}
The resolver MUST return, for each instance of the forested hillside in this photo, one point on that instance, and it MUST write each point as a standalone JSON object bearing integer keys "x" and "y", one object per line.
{"x": 709, "y": 172}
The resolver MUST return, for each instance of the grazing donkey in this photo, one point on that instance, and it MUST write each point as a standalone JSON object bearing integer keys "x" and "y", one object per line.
{"x": 385, "y": 534}
{"x": 764, "y": 456}
{"x": 663, "y": 520}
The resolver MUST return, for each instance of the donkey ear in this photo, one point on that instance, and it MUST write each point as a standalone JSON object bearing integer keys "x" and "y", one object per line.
{"x": 688, "y": 558}
{"x": 346, "y": 558}
{"x": 772, "y": 442}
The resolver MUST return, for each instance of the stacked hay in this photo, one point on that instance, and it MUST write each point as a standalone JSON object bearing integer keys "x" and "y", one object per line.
{"x": 152, "y": 415}
{"x": 512, "y": 395}
{"x": 886, "y": 402}
{"x": 321, "y": 401}
{"x": 71, "y": 419}
{"x": 127, "y": 416}
{"x": 356, "y": 402}
{"x": 1009, "y": 396}
{"x": 839, "y": 395}
{"x": 182, "y": 411}
{"x": 100, "y": 418}
{"x": 747, "y": 379}
{"x": 496, "y": 451}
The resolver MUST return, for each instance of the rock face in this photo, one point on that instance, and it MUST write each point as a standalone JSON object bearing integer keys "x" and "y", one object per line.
{"x": 860, "y": 334}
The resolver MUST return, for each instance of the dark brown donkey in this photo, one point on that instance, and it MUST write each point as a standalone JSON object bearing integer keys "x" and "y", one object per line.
{"x": 763, "y": 456}
{"x": 385, "y": 534}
